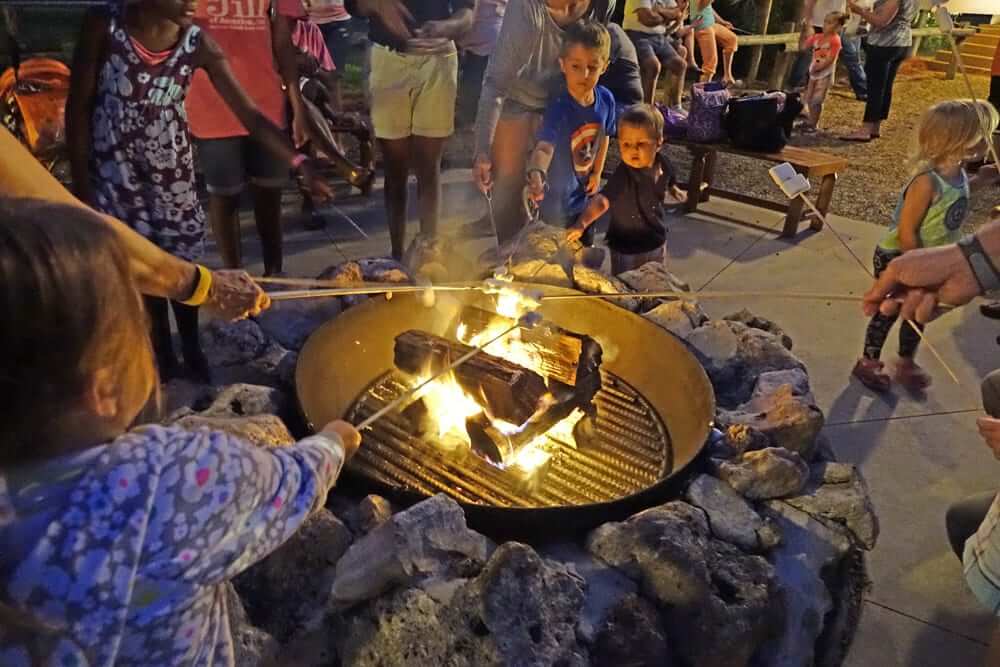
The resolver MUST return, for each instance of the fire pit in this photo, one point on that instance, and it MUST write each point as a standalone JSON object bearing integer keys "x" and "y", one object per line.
{"x": 644, "y": 425}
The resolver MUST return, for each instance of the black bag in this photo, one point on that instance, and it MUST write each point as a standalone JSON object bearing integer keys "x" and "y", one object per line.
{"x": 762, "y": 123}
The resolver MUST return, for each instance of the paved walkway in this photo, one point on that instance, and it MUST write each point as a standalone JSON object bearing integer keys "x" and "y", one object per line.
{"x": 918, "y": 454}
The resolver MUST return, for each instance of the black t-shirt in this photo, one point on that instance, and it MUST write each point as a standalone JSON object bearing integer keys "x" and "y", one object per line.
{"x": 637, "y": 209}
{"x": 422, "y": 10}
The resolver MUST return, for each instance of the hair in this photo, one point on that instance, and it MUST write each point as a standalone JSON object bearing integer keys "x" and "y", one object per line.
{"x": 839, "y": 17}
{"x": 950, "y": 129}
{"x": 69, "y": 308}
{"x": 589, "y": 34}
{"x": 645, "y": 116}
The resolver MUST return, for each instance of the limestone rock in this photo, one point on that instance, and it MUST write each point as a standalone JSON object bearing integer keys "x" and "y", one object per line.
{"x": 373, "y": 511}
{"x": 539, "y": 241}
{"x": 276, "y": 367}
{"x": 383, "y": 270}
{"x": 678, "y": 317}
{"x": 809, "y": 547}
{"x": 737, "y": 439}
{"x": 734, "y": 355}
{"x": 252, "y": 647}
{"x": 247, "y": 400}
{"x": 233, "y": 343}
{"x": 437, "y": 260}
{"x": 843, "y": 499}
{"x": 653, "y": 277}
{"x": 260, "y": 430}
{"x": 593, "y": 281}
{"x": 703, "y": 583}
{"x": 542, "y": 272}
{"x": 730, "y": 517}
{"x": 796, "y": 378}
{"x": 292, "y": 322}
{"x": 401, "y": 628}
{"x": 632, "y": 635}
{"x": 788, "y": 420}
{"x": 291, "y": 584}
{"x": 422, "y": 541}
{"x": 768, "y": 473}
{"x": 746, "y": 317}
{"x": 347, "y": 274}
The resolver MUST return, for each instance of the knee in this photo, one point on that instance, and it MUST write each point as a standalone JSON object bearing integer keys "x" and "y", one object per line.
{"x": 649, "y": 67}
{"x": 678, "y": 65}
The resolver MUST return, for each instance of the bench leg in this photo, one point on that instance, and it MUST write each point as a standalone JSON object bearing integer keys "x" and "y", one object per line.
{"x": 711, "y": 159}
{"x": 694, "y": 181}
{"x": 825, "y": 197}
{"x": 792, "y": 218}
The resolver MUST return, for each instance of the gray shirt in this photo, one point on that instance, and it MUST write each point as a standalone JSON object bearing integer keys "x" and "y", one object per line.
{"x": 523, "y": 64}
{"x": 897, "y": 32}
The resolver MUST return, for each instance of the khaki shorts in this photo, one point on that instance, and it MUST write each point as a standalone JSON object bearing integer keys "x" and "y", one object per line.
{"x": 413, "y": 95}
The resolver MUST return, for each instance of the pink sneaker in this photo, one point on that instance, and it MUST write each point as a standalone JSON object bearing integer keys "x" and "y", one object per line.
{"x": 911, "y": 375}
{"x": 869, "y": 371}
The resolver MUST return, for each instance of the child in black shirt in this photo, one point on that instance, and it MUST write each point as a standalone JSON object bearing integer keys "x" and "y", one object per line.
{"x": 637, "y": 193}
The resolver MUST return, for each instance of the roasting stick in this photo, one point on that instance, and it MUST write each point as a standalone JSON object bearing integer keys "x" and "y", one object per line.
{"x": 449, "y": 368}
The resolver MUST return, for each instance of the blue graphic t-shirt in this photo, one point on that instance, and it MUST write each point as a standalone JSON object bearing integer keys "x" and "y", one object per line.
{"x": 577, "y": 133}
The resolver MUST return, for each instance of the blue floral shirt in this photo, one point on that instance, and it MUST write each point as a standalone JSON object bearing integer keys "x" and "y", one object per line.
{"x": 120, "y": 550}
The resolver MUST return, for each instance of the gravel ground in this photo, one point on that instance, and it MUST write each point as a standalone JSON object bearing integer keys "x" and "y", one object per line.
{"x": 869, "y": 189}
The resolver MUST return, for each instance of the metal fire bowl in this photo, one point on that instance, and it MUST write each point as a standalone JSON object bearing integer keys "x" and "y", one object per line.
{"x": 342, "y": 358}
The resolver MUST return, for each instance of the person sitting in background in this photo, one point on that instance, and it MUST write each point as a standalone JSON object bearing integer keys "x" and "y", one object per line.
{"x": 825, "y": 47}
{"x": 573, "y": 141}
{"x": 476, "y": 48}
{"x": 711, "y": 31}
{"x": 650, "y": 24}
{"x": 637, "y": 193}
{"x": 814, "y": 16}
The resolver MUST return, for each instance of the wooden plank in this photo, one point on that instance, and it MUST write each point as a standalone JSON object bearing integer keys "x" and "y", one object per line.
{"x": 791, "y": 39}
{"x": 816, "y": 163}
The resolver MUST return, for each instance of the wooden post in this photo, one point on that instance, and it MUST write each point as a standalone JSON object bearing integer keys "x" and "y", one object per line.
{"x": 782, "y": 62}
{"x": 764, "y": 6}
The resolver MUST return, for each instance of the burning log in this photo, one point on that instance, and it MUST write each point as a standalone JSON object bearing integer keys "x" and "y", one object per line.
{"x": 506, "y": 390}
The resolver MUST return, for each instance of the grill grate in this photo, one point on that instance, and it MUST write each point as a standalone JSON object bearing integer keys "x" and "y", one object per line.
{"x": 630, "y": 451}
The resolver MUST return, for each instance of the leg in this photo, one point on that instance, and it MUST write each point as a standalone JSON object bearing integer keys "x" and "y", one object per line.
{"x": 726, "y": 39}
{"x": 825, "y": 197}
{"x": 850, "y": 55}
{"x": 194, "y": 357}
{"x": 224, "y": 216}
{"x": 222, "y": 162}
{"x": 689, "y": 47}
{"x": 711, "y": 160}
{"x": 695, "y": 181}
{"x": 807, "y": 99}
{"x": 709, "y": 53}
{"x": 649, "y": 68}
{"x": 877, "y": 72}
{"x": 512, "y": 141}
{"x": 673, "y": 59}
{"x": 890, "y": 81}
{"x": 909, "y": 340}
{"x": 800, "y": 68}
{"x": 267, "y": 215}
{"x": 963, "y": 519}
{"x": 163, "y": 344}
{"x": 427, "y": 165}
{"x": 396, "y": 158}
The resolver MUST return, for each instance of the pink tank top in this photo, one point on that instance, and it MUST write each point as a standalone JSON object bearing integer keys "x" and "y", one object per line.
{"x": 243, "y": 31}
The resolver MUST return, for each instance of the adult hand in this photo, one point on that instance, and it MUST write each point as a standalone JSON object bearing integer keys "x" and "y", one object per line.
{"x": 482, "y": 171}
{"x": 574, "y": 233}
{"x": 393, "y": 14}
{"x": 989, "y": 429}
{"x": 727, "y": 24}
{"x": 535, "y": 188}
{"x": 318, "y": 187}
{"x": 914, "y": 283}
{"x": 234, "y": 295}
{"x": 434, "y": 29}
{"x": 348, "y": 435}
{"x": 593, "y": 184}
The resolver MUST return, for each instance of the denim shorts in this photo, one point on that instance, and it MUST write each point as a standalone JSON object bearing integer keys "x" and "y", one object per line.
{"x": 228, "y": 163}
{"x": 650, "y": 45}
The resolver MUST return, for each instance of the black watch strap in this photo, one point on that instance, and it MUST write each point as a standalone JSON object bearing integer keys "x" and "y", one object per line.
{"x": 982, "y": 266}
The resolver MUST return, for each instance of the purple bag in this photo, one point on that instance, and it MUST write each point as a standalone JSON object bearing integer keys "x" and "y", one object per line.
{"x": 708, "y": 104}
{"x": 675, "y": 122}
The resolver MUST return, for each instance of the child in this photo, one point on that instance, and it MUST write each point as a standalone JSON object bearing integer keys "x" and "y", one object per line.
{"x": 712, "y": 31}
{"x": 130, "y": 147}
{"x": 576, "y": 129}
{"x": 930, "y": 213}
{"x": 636, "y": 193}
{"x": 825, "y": 47}
{"x": 117, "y": 545}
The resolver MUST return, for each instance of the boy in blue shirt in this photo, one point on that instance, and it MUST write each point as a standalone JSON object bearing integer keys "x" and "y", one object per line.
{"x": 578, "y": 125}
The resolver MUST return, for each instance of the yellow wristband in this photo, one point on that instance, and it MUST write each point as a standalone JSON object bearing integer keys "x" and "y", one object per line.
{"x": 200, "y": 294}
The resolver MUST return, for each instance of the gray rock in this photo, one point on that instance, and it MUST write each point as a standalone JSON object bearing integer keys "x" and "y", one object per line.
{"x": 292, "y": 584}
{"x": 260, "y": 430}
{"x": 735, "y": 355}
{"x": 233, "y": 343}
{"x": 373, "y": 511}
{"x": 737, "y": 439}
{"x": 182, "y": 397}
{"x": 275, "y": 367}
{"x": 539, "y": 241}
{"x": 746, "y": 317}
{"x": 292, "y": 322}
{"x": 678, "y": 317}
{"x": 788, "y": 420}
{"x": 730, "y": 517}
{"x": 653, "y": 277}
{"x": 796, "y": 378}
{"x": 383, "y": 270}
{"x": 766, "y": 473}
{"x": 702, "y": 583}
{"x": 809, "y": 547}
{"x": 252, "y": 646}
{"x": 844, "y": 499}
{"x": 420, "y": 542}
{"x": 401, "y": 628}
{"x": 632, "y": 635}
{"x": 542, "y": 272}
{"x": 593, "y": 281}
{"x": 247, "y": 400}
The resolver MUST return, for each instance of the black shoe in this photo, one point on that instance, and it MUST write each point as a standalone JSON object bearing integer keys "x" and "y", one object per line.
{"x": 862, "y": 97}
{"x": 991, "y": 310}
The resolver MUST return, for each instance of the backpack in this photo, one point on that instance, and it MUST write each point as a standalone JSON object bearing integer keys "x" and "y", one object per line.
{"x": 762, "y": 123}
{"x": 708, "y": 105}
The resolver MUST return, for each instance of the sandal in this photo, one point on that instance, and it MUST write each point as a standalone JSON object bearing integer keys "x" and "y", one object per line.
{"x": 911, "y": 375}
{"x": 869, "y": 372}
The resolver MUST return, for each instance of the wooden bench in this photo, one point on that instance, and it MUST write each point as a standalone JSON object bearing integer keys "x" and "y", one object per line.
{"x": 818, "y": 167}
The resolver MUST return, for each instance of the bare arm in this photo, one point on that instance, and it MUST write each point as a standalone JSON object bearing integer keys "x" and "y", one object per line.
{"x": 284, "y": 55}
{"x": 917, "y": 200}
{"x": 649, "y": 18}
{"x": 602, "y": 156}
{"x": 87, "y": 57}
{"x": 879, "y": 18}
{"x": 597, "y": 207}
{"x": 541, "y": 157}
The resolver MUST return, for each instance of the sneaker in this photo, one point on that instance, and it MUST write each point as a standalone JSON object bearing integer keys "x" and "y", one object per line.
{"x": 869, "y": 372}
{"x": 911, "y": 375}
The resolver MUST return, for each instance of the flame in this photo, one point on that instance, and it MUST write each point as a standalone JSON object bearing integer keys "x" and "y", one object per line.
{"x": 450, "y": 406}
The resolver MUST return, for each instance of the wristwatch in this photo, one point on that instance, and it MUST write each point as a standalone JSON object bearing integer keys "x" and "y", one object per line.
{"x": 982, "y": 266}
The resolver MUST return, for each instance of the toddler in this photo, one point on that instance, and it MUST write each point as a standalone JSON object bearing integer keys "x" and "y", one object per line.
{"x": 576, "y": 129}
{"x": 636, "y": 193}
{"x": 826, "y": 47}
{"x": 117, "y": 544}
{"x": 930, "y": 213}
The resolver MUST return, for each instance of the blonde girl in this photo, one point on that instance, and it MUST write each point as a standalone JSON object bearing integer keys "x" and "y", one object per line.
{"x": 931, "y": 210}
